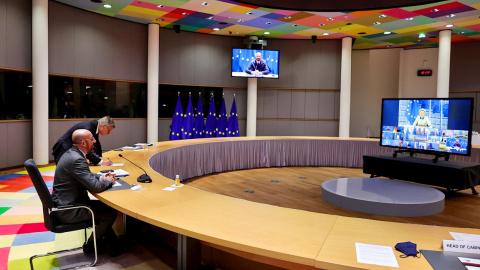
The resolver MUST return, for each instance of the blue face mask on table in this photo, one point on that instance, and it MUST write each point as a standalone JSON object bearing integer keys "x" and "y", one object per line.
{"x": 408, "y": 249}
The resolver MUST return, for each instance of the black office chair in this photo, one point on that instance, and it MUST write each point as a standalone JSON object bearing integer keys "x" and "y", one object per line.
{"x": 50, "y": 220}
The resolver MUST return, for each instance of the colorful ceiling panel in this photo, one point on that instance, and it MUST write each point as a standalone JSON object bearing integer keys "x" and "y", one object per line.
{"x": 409, "y": 27}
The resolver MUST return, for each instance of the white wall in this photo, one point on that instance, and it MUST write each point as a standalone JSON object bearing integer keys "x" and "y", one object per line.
{"x": 412, "y": 85}
{"x": 374, "y": 76}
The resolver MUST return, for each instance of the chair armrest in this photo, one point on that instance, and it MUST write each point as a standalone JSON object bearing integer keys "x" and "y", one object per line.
{"x": 69, "y": 207}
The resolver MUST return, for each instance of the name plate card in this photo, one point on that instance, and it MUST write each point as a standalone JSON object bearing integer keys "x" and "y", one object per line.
{"x": 461, "y": 246}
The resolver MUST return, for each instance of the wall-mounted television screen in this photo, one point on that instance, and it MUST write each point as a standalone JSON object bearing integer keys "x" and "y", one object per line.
{"x": 437, "y": 125}
{"x": 255, "y": 63}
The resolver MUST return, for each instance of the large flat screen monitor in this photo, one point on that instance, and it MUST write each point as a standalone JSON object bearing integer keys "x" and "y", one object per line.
{"x": 438, "y": 125}
{"x": 255, "y": 63}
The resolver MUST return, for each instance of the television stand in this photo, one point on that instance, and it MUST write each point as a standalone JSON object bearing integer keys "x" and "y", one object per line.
{"x": 411, "y": 152}
{"x": 444, "y": 155}
{"x": 453, "y": 175}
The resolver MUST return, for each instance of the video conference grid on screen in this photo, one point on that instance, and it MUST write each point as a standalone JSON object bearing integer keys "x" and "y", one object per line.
{"x": 255, "y": 63}
{"x": 442, "y": 125}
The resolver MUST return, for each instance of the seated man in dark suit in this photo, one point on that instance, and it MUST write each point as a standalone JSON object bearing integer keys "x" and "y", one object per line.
{"x": 258, "y": 66}
{"x": 103, "y": 127}
{"x": 72, "y": 180}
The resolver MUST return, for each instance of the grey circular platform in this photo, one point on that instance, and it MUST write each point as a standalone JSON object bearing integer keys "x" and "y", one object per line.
{"x": 383, "y": 197}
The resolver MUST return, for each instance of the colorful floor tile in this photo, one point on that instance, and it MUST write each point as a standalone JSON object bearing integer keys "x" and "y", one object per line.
{"x": 23, "y": 234}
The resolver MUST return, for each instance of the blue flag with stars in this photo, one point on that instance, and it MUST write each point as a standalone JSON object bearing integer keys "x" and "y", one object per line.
{"x": 176, "y": 127}
{"x": 199, "y": 126}
{"x": 187, "y": 123}
{"x": 222, "y": 120}
{"x": 232, "y": 126}
{"x": 210, "y": 130}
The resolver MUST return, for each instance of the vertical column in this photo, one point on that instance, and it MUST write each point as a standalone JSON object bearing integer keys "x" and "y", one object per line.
{"x": 40, "y": 81}
{"x": 152, "y": 81}
{"x": 252, "y": 107}
{"x": 345, "y": 88}
{"x": 443, "y": 78}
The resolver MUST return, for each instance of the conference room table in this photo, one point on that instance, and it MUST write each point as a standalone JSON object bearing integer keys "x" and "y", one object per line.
{"x": 290, "y": 238}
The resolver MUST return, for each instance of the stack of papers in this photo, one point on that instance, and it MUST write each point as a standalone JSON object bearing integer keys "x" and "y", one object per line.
{"x": 118, "y": 173}
{"x": 142, "y": 144}
{"x": 131, "y": 147}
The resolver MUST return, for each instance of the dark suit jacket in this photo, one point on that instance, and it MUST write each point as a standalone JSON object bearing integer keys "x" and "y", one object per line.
{"x": 72, "y": 180}
{"x": 65, "y": 142}
{"x": 260, "y": 66}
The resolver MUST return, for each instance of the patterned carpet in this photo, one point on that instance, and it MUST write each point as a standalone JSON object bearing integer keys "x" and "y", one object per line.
{"x": 22, "y": 233}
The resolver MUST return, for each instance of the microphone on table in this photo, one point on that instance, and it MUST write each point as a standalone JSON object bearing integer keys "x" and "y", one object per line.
{"x": 144, "y": 178}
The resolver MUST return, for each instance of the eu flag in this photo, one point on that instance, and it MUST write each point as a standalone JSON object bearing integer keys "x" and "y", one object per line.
{"x": 232, "y": 126}
{"x": 222, "y": 120}
{"x": 210, "y": 130}
{"x": 199, "y": 126}
{"x": 187, "y": 123}
{"x": 175, "y": 129}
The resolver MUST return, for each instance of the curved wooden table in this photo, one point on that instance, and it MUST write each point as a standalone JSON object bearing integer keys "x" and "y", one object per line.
{"x": 293, "y": 237}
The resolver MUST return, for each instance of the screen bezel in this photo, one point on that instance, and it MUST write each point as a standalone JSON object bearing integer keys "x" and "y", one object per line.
{"x": 246, "y": 76}
{"x": 432, "y": 152}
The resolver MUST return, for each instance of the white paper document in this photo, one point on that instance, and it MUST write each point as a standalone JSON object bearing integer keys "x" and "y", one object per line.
{"x": 130, "y": 147}
{"x": 470, "y": 262}
{"x": 118, "y": 173}
{"x": 375, "y": 254}
{"x": 117, "y": 184}
{"x": 465, "y": 237}
{"x": 117, "y": 164}
{"x": 169, "y": 188}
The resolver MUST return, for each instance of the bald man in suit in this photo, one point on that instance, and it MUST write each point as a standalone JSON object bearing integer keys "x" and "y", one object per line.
{"x": 73, "y": 179}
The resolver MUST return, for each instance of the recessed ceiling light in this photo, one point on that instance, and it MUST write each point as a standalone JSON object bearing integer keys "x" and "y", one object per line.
{"x": 216, "y": 29}
{"x": 266, "y": 33}
{"x": 160, "y": 6}
{"x": 322, "y": 24}
{"x": 185, "y": 13}
{"x": 249, "y": 13}
{"x": 330, "y": 19}
{"x": 210, "y": 18}
{"x": 268, "y": 23}
{"x": 387, "y": 33}
{"x": 223, "y": 23}
{"x": 160, "y": 19}
{"x": 295, "y": 25}
{"x": 349, "y": 23}
{"x": 377, "y": 23}
{"x": 409, "y": 19}
{"x": 382, "y": 16}
{"x": 240, "y": 21}
{"x": 288, "y": 17}
{"x": 449, "y": 25}
{"x": 434, "y": 10}
{"x": 462, "y": 32}
{"x": 325, "y": 34}
{"x": 205, "y": 4}
{"x": 451, "y": 16}
{"x": 107, "y": 6}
